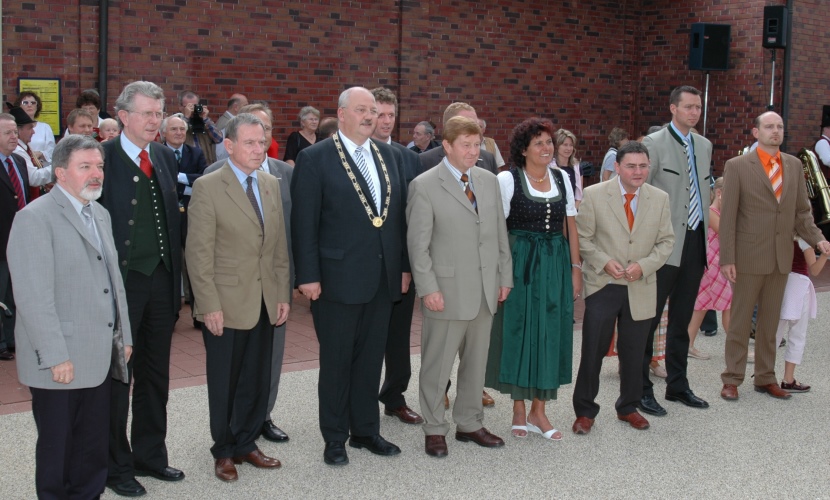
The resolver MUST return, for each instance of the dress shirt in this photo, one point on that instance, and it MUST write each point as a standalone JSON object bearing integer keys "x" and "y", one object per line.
{"x": 242, "y": 177}
{"x": 767, "y": 160}
{"x": 823, "y": 149}
{"x": 132, "y": 150}
{"x": 3, "y": 159}
{"x": 182, "y": 177}
{"x": 370, "y": 164}
{"x": 37, "y": 176}
{"x": 457, "y": 174}
{"x": 43, "y": 140}
{"x": 634, "y": 200}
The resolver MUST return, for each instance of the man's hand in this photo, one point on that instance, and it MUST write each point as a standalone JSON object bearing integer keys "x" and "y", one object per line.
{"x": 205, "y": 112}
{"x": 282, "y": 309}
{"x": 187, "y": 111}
{"x": 215, "y": 322}
{"x": 824, "y": 247}
{"x": 311, "y": 290}
{"x": 728, "y": 272}
{"x": 633, "y": 272}
{"x": 63, "y": 373}
{"x": 615, "y": 269}
{"x": 434, "y": 301}
{"x": 406, "y": 280}
{"x": 128, "y": 352}
{"x": 39, "y": 155}
{"x": 504, "y": 291}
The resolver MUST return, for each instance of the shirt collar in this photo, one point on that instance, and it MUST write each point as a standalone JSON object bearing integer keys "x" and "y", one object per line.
{"x": 623, "y": 192}
{"x": 180, "y": 149}
{"x": 76, "y": 204}
{"x": 688, "y": 137}
{"x": 457, "y": 173}
{"x": 242, "y": 176}
{"x": 131, "y": 149}
{"x": 351, "y": 146}
{"x": 766, "y": 157}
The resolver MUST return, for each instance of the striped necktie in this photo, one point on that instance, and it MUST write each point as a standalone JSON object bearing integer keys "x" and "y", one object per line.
{"x": 364, "y": 171}
{"x": 469, "y": 192}
{"x": 695, "y": 214}
{"x": 776, "y": 178}
{"x": 18, "y": 188}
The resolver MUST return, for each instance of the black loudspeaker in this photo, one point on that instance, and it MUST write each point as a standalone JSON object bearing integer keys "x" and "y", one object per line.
{"x": 709, "y": 47}
{"x": 775, "y": 27}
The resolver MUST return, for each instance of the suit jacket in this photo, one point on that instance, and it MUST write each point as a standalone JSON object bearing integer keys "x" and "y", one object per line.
{"x": 410, "y": 162}
{"x": 233, "y": 268}
{"x": 433, "y": 157}
{"x": 8, "y": 200}
{"x": 669, "y": 172}
{"x": 455, "y": 250}
{"x": 283, "y": 172}
{"x": 756, "y": 231}
{"x": 604, "y": 235}
{"x": 334, "y": 241}
{"x": 63, "y": 296}
{"x": 193, "y": 166}
{"x": 119, "y": 197}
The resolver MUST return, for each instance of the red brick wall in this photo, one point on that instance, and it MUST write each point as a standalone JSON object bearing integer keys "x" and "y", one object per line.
{"x": 588, "y": 65}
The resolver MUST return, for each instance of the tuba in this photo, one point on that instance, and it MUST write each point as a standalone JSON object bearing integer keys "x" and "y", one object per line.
{"x": 817, "y": 188}
{"x": 744, "y": 151}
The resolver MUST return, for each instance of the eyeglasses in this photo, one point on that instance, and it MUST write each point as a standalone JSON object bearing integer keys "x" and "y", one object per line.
{"x": 147, "y": 115}
{"x": 28, "y": 103}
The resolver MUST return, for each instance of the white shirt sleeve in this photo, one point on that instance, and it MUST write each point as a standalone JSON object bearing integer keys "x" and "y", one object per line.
{"x": 570, "y": 206}
{"x": 823, "y": 151}
{"x": 507, "y": 187}
{"x": 499, "y": 159}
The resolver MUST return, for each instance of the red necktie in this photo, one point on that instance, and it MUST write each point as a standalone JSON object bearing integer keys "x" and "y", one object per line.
{"x": 18, "y": 188}
{"x": 628, "y": 212}
{"x": 145, "y": 164}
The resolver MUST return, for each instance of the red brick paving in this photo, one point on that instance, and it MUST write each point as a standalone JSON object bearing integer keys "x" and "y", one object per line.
{"x": 187, "y": 355}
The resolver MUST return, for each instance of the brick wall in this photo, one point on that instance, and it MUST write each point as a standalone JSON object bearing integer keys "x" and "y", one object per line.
{"x": 588, "y": 65}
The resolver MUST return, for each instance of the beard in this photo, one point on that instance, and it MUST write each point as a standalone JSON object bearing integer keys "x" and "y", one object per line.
{"x": 91, "y": 194}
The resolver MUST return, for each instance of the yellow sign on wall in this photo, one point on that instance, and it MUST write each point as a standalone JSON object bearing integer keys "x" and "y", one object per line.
{"x": 49, "y": 91}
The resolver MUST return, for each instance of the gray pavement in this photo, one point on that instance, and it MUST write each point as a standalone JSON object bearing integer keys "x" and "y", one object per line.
{"x": 757, "y": 447}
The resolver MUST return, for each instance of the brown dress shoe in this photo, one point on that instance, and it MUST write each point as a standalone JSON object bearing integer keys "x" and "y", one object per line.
{"x": 729, "y": 392}
{"x": 635, "y": 420}
{"x": 259, "y": 460}
{"x": 436, "y": 446}
{"x": 225, "y": 470}
{"x": 583, "y": 425}
{"x": 481, "y": 437}
{"x": 405, "y": 414}
{"x": 774, "y": 391}
{"x": 487, "y": 400}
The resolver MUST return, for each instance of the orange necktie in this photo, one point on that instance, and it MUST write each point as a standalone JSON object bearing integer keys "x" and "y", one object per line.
{"x": 776, "y": 177}
{"x": 629, "y": 214}
{"x": 144, "y": 163}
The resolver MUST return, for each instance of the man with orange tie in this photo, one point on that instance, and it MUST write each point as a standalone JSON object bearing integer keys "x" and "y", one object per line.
{"x": 764, "y": 202}
{"x": 140, "y": 194}
{"x": 621, "y": 253}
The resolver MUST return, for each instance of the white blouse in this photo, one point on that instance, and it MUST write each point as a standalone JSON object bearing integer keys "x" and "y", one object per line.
{"x": 43, "y": 140}
{"x": 507, "y": 190}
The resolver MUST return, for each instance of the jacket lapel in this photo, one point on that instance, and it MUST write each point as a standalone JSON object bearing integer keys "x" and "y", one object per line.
{"x": 643, "y": 207}
{"x": 758, "y": 170}
{"x": 72, "y": 216}
{"x": 449, "y": 183}
{"x": 617, "y": 205}
{"x": 237, "y": 194}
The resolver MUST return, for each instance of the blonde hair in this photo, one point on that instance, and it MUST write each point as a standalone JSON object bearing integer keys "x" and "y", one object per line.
{"x": 718, "y": 186}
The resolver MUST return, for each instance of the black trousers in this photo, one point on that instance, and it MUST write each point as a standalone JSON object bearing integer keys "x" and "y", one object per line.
{"x": 678, "y": 285}
{"x": 238, "y": 379}
{"x": 603, "y": 310}
{"x": 72, "y": 436}
{"x": 398, "y": 364}
{"x": 151, "y": 320}
{"x": 352, "y": 342}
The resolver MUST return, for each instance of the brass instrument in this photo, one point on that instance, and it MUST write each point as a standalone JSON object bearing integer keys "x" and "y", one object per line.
{"x": 817, "y": 188}
{"x": 744, "y": 151}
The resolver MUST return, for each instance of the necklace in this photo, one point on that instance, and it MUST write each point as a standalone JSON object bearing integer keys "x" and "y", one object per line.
{"x": 376, "y": 221}
{"x": 538, "y": 181}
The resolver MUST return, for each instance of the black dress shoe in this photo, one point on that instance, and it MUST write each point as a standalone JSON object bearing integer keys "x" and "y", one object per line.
{"x": 129, "y": 488}
{"x": 650, "y": 405}
{"x": 6, "y": 355}
{"x": 376, "y": 444}
{"x": 688, "y": 398}
{"x": 163, "y": 474}
{"x": 335, "y": 453}
{"x": 273, "y": 433}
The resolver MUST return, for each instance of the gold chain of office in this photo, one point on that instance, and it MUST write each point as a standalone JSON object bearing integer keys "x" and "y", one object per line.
{"x": 376, "y": 221}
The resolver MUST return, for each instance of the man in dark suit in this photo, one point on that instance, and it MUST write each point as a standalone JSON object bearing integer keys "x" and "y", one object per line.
{"x": 764, "y": 203}
{"x": 61, "y": 246}
{"x": 434, "y": 156}
{"x": 14, "y": 186}
{"x": 140, "y": 194}
{"x": 348, "y": 230}
{"x": 398, "y": 365}
{"x": 680, "y": 160}
{"x": 283, "y": 172}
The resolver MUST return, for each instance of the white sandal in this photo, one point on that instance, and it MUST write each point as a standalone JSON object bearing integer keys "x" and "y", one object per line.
{"x": 547, "y": 435}
{"x": 518, "y": 428}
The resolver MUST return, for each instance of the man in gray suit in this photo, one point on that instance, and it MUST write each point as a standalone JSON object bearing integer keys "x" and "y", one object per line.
{"x": 73, "y": 331}
{"x": 461, "y": 263}
{"x": 282, "y": 171}
{"x": 680, "y": 161}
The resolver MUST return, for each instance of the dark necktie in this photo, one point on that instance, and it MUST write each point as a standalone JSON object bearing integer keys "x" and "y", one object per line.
{"x": 144, "y": 163}
{"x": 252, "y": 199}
{"x": 178, "y": 157}
{"x": 469, "y": 192}
{"x": 18, "y": 188}
{"x": 629, "y": 214}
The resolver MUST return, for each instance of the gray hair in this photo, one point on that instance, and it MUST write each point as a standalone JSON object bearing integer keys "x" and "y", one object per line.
{"x": 147, "y": 89}
{"x": 428, "y": 128}
{"x": 343, "y": 100}
{"x": 239, "y": 120}
{"x": 165, "y": 122}
{"x": 308, "y": 110}
{"x": 654, "y": 128}
{"x": 68, "y": 145}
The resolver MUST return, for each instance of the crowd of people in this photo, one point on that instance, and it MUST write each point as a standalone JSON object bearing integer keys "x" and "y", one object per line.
{"x": 153, "y": 207}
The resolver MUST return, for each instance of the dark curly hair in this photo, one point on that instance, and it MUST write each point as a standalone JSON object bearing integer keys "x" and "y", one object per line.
{"x": 29, "y": 93}
{"x": 524, "y": 133}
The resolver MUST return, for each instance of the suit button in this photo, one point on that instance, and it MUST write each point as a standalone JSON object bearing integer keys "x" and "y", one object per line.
{"x": 380, "y": 256}
{"x": 130, "y": 222}
{"x": 123, "y": 262}
{"x": 630, "y": 242}
{"x": 134, "y": 202}
{"x": 106, "y": 290}
{"x": 110, "y": 325}
{"x": 127, "y": 243}
{"x": 99, "y": 257}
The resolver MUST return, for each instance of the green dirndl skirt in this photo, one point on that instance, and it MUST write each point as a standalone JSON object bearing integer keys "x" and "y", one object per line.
{"x": 531, "y": 341}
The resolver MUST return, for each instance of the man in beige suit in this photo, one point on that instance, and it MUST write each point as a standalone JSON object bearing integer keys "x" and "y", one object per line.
{"x": 237, "y": 255}
{"x": 625, "y": 236}
{"x": 764, "y": 202}
{"x": 462, "y": 268}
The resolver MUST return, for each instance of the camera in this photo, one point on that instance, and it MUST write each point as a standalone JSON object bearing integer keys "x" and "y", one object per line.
{"x": 197, "y": 108}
